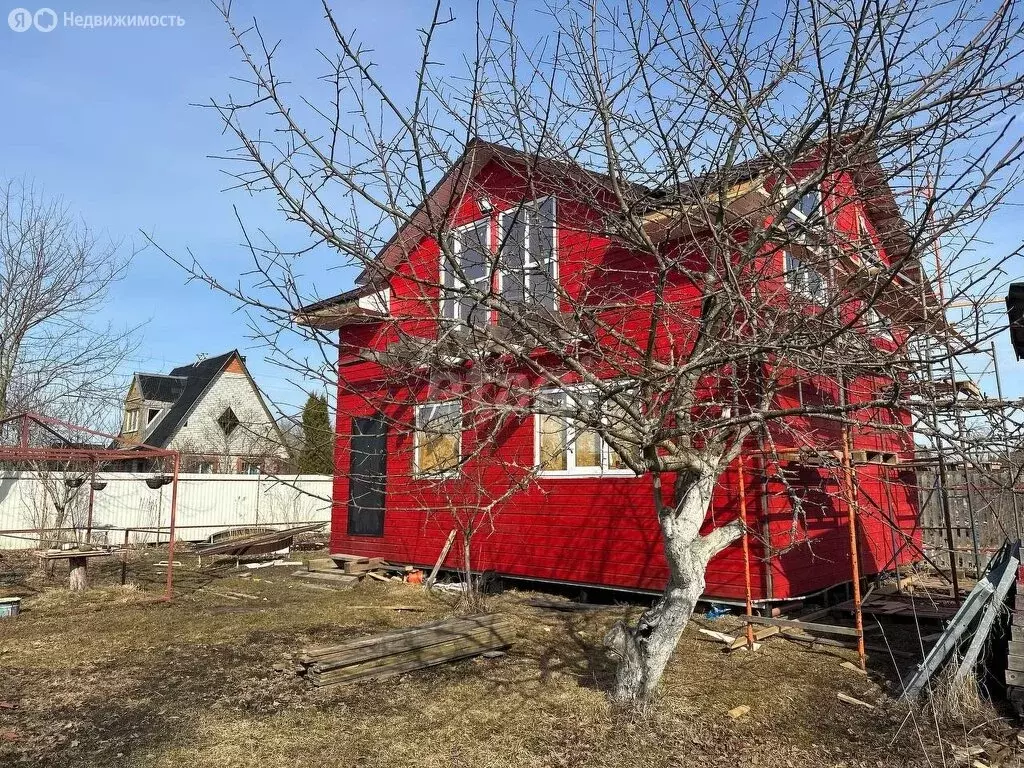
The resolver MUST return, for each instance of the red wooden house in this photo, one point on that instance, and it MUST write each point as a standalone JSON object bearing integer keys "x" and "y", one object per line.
{"x": 585, "y": 519}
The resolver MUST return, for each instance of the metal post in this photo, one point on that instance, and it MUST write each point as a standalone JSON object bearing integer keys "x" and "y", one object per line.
{"x": 92, "y": 497}
{"x": 851, "y": 502}
{"x": 1006, "y": 445}
{"x": 974, "y": 523}
{"x": 943, "y": 483}
{"x": 169, "y": 593}
{"x": 746, "y": 551}
{"x": 124, "y": 559}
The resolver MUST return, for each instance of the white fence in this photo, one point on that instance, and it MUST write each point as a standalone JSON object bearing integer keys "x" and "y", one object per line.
{"x": 206, "y": 504}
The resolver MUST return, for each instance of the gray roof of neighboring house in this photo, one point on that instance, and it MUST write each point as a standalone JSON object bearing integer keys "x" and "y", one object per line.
{"x": 157, "y": 386}
{"x": 195, "y": 380}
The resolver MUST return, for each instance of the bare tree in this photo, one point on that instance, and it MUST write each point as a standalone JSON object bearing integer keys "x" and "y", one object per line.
{"x": 55, "y": 274}
{"x": 742, "y": 168}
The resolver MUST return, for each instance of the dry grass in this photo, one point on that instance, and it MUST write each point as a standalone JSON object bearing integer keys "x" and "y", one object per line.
{"x": 118, "y": 677}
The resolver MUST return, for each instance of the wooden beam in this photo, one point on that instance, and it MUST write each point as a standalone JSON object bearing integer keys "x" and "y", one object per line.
{"x": 440, "y": 558}
{"x": 828, "y": 629}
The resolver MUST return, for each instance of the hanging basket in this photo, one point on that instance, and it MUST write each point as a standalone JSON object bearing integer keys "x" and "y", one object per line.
{"x": 158, "y": 481}
{"x": 99, "y": 485}
{"x": 74, "y": 482}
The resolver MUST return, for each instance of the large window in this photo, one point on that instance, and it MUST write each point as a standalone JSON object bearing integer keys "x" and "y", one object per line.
{"x": 566, "y": 447}
{"x": 469, "y": 278}
{"x": 525, "y": 269}
{"x": 804, "y": 279}
{"x": 438, "y": 439}
{"x": 529, "y": 267}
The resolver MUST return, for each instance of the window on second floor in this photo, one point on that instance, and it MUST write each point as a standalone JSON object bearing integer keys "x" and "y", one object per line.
{"x": 131, "y": 421}
{"x": 228, "y": 422}
{"x": 807, "y": 209}
{"x": 522, "y": 268}
{"x": 804, "y": 279}
{"x": 250, "y": 468}
{"x": 866, "y": 245}
{"x": 470, "y": 276}
{"x": 877, "y": 324}
{"x": 528, "y": 264}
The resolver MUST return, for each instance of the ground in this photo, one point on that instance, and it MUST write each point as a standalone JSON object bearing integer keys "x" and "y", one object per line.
{"x": 118, "y": 677}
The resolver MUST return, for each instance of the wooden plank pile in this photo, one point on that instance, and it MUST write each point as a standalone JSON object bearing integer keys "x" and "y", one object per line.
{"x": 376, "y": 568}
{"x": 256, "y": 543}
{"x": 406, "y": 650}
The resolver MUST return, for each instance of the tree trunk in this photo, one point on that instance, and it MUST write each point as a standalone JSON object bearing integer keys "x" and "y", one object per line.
{"x": 644, "y": 650}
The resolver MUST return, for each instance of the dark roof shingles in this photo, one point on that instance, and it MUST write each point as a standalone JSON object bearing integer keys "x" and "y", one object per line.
{"x": 197, "y": 377}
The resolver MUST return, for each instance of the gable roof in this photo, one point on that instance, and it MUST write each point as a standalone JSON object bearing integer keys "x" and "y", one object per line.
{"x": 664, "y": 216}
{"x": 196, "y": 378}
{"x": 460, "y": 177}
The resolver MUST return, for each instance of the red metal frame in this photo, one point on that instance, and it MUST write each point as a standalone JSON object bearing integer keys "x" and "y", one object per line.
{"x": 24, "y": 451}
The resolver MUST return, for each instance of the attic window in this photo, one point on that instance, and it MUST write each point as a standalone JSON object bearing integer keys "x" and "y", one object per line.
{"x": 228, "y": 421}
{"x": 470, "y": 274}
{"x": 805, "y": 210}
{"x": 529, "y": 268}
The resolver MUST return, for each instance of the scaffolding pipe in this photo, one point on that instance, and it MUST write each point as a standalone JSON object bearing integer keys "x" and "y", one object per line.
{"x": 851, "y": 500}
{"x": 1009, "y": 453}
{"x": 174, "y": 511}
{"x": 746, "y": 552}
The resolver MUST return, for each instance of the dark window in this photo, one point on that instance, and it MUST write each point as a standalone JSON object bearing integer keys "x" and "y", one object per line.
{"x": 528, "y": 259}
{"x": 469, "y": 278}
{"x": 228, "y": 421}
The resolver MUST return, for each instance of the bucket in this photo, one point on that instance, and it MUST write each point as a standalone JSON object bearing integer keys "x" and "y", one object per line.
{"x": 9, "y": 607}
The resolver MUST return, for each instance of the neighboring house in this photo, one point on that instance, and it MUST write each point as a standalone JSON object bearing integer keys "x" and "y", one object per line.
{"x": 211, "y": 411}
{"x": 584, "y": 519}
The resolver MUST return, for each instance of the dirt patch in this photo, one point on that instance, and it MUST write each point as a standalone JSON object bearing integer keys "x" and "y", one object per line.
{"x": 117, "y": 677}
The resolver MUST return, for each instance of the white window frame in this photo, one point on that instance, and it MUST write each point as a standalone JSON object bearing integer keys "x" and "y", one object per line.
{"x": 877, "y": 324}
{"x": 447, "y": 474}
{"x": 571, "y": 470}
{"x": 131, "y": 420}
{"x": 527, "y": 259}
{"x": 802, "y": 288}
{"x": 795, "y": 213}
{"x": 866, "y": 249}
{"x": 452, "y": 301}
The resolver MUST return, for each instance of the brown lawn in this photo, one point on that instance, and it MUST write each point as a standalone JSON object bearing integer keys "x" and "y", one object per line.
{"x": 117, "y": 677}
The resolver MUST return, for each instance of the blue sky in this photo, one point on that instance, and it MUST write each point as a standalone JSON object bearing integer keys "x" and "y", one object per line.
{"x": 102, "y": 117}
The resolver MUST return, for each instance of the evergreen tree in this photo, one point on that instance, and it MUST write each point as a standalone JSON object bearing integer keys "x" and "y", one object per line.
{"x": 317, "y": 456}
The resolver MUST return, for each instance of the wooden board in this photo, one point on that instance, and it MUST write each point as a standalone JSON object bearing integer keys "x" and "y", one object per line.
{"x": 828, "y": 629}
{"x": 313, "y": 654}
{"x": 70, "y": 554}
{"x": 405, "y": 650}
